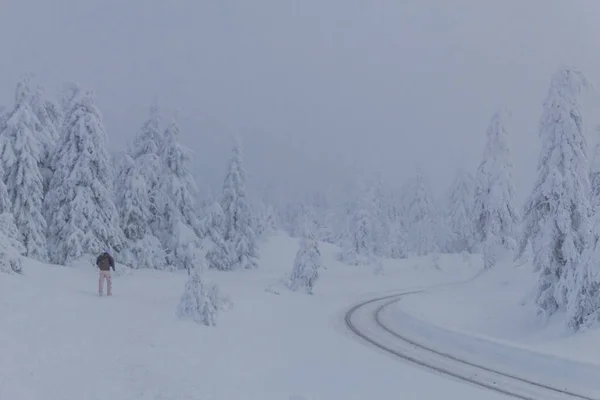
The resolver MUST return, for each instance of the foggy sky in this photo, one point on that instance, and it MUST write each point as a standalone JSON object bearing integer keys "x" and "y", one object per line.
{"x": 320, "y": 91}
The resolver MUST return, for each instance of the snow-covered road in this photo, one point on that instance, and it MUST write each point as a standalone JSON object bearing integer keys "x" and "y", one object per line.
{"x": 379, "y": 324}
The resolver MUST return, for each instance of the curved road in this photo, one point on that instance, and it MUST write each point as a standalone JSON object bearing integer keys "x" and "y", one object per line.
{"x": 365, "y": 322}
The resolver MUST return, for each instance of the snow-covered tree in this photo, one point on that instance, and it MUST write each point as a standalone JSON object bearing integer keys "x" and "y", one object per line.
{"x": 83, "y": 218}
{"x": 307, "y": 264}
{"x": 460, "y": 212}
{"x": 376, "y": 201}
{"x": 180, "y": 228}
{"x": 496, "y": 218}
{"x": 218, "y": 255}
{"x": 595, "y": 175}
{"x": 423, "y": 226}
{"x": 177, "y": 181}
{"x": 398, "y": 235}
{"x": 11, "y": 248}
{"x": 68, "y": 94}
{"x": 21, "y": 151}
{"x": 368, "y": 231}
{"x": 145, "y": 151}
{"x": 142, "y": 248}
{"x": 583, "y": 298}
{"x": 201, "y": 301}
{"x": 238, "y": 232}
{"x": 185, "y": 247}
{"x": 556, "y": 215}
{"x": 266, "y": 220}
{"x": 151, "y": 138}
{"x": 50, "y": 118}
{"x": 358, "y": 244}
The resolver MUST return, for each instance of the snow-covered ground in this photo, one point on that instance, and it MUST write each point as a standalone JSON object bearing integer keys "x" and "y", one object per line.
{"x": 59, "y": 340}
{"x": 491, "y": 319}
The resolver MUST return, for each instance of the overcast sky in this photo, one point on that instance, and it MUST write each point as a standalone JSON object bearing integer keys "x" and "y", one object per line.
{"x": 319, "y": 90}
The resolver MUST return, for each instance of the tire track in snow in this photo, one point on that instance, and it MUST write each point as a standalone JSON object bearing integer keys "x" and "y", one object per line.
{"x": 372, "y": 330}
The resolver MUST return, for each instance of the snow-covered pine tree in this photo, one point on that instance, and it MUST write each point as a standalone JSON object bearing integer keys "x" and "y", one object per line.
{"x": 177, "y": 181}
{"x": 21, "y": 152}
{"x": 398, "y": 235}
{"x": 460, "y": 212}
{"x": 294, "y": 215}
{"x": 142, "y": 248}
{"x": 11, "y": 247}
{"x": 145, "y": 151}
{"x": 201, "y": 300}
{"x": 68, "y": 94}
{"x": 83, "y": 219}
{"x": 266, "y": 220}
{"x": 357, "y": 247}
{"x": 151, "y": 138}
{"x": 322, "y": 212}
{"x": 5, "y": 205}
{"x": 218, "y": 255}
{"x": 375, "y": 200}
{"x": 496, "y": 217}
{"x": 238, "y": 232}
{"x": 422, "y": 222}
{"x": 307, "y": 263}
{"x": 557, "y": 212}
{"x": 595, "y": 174}
{"x": 181, "y": 229}
{"x": 583, "y": 297}
{"x": 49, "y": 115}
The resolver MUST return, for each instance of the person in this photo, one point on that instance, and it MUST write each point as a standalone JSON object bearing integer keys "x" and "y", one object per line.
{"x": 105, "y": 262}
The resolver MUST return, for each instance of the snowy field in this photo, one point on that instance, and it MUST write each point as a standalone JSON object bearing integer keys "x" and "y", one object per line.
{"x": 61, "y": 341}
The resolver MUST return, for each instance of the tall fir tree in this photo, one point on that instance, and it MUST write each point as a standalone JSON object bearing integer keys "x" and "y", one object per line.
{"x": 181, "y": 230}
{"x": 142, "y": 248}
{"x": 424, "y": 228}
{"x": 496, "y": 218}
{"x": 238, "y": 232}
{"x": 218, "y": 255}
{"x": 376, "y": 200}
{"x": 146, "y": 152}
{"x": 357, "y": 245}
{"x": 460, "y": 205}
{"x": 557, "y": 212}
{"x": 307, "y": 263}
{"x": 177, "y": 180}
{"x": 50, "y": 117}
{"x": 21, "y": 151}
{"x": 151, "y": 136}
{"x": 11, "y": 246}
{"x": 83, "y": 218}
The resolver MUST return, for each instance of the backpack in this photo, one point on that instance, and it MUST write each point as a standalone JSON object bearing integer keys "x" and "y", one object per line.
{"x": 103, "y": 261}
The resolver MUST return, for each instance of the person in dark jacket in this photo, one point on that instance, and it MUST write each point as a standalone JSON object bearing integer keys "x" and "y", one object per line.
{"x": 105, "y": 262}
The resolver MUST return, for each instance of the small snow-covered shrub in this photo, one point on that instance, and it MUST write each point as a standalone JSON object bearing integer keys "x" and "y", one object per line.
{"x": 306, "y": 266}
{"x": 201, "y": 300}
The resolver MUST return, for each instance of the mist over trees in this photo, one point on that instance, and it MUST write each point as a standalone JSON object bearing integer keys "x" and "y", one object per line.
{"x": 64, "y": 197}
